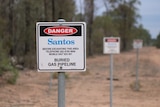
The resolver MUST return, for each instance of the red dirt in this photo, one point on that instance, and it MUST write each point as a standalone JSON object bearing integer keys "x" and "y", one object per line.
{"x": 91, "y": 88}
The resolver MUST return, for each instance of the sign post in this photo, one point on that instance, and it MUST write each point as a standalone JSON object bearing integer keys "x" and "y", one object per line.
{"x": 61, "y": 47}
{"x": 137, "y": 44}
{"x": 137, "y": 63}
{"x": 111, "y": 45}
{"x": 61, "y": 89}
{"x": 111, "y": 80}
{"x": 61, "y": 84}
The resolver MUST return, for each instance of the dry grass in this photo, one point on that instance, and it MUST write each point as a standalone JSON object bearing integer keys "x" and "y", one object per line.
{"x": 91, "y": 88}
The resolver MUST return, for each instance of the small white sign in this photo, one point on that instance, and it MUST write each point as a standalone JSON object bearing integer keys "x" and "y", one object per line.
{"x": 61, "y": 46}
{"x": 137, "y": 43}
{"x": 111, "y": 45}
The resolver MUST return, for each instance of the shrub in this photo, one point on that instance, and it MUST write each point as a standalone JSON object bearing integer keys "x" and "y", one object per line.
{"x": 55, "y": 75}
{"x": 7, "y": 70}
{"x": 135, "y": 86}
{"x": 158, "y": 41}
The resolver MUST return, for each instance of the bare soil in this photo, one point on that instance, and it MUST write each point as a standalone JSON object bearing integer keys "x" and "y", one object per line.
{"x": 92, "y": 88}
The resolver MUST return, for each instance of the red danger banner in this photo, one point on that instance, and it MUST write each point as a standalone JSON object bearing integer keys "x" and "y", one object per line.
{"x": 111, "y": 40}
{"x": 60, "y": 30}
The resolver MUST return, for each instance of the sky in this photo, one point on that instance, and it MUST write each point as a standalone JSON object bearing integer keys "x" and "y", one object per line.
{"x": 150, "y": 16}
{"x": 149, "y": 11}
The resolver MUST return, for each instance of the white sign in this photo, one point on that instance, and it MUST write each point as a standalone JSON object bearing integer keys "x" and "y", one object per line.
{"x": 61, "y": 46}
{"x": 111, "y": 45}
{"x": 137, "y": 43}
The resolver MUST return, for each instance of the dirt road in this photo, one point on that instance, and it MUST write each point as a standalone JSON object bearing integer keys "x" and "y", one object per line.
{"x": 91, "y": 88}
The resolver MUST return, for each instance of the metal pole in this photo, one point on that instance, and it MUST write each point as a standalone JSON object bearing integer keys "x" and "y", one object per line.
{"x": 61, "y": 89}
{"x": 50, "y": 83}
{"x": 137, "y": 81}
{"x": 111, "y": 79}
{"x": 61, "y": 84}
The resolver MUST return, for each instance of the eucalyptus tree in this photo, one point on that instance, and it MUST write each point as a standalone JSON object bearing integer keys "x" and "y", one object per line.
{"x": 139, "y": 32}
{"x": 125, "y": 14}
{"x": 157, "y": 42}
{"x": 19, "y": 17}
{"x": 89, "y": 18}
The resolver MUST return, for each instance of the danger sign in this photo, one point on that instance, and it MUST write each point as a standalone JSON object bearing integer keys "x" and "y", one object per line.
{"x": 60, "y": 30}
{"x": 111, "y": 45}
{"x": 61, "y": 46}
{"x": 137, "y": 43}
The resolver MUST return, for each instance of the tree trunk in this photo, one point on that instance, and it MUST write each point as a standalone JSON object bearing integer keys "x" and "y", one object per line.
{"x": 89, "y": 11}
{"x": 10, "y": 26}
{"x": 45, "y": 10}
{"x": 53, "y": 11}
{"x": 27, "y": 26}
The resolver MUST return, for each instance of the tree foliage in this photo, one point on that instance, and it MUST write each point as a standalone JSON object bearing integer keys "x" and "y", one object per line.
{"x": 7, "y": 71}
{"x": 143, "y": 34}
{"x": 17, "y": 30}
{"x": 18, "y": 18}
{"x": 89, "y": 17}
{"x": 125, "y": 15}
{"x": 157, "y": 43}
{"x": 103, "y": 26}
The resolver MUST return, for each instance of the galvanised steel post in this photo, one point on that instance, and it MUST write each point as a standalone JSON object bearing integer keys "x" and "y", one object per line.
{"x": 137, "y": 66}
{"x": 61, "y": 84}
{"x": 111, "y": 79}
{"x": 61, "y": 89}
